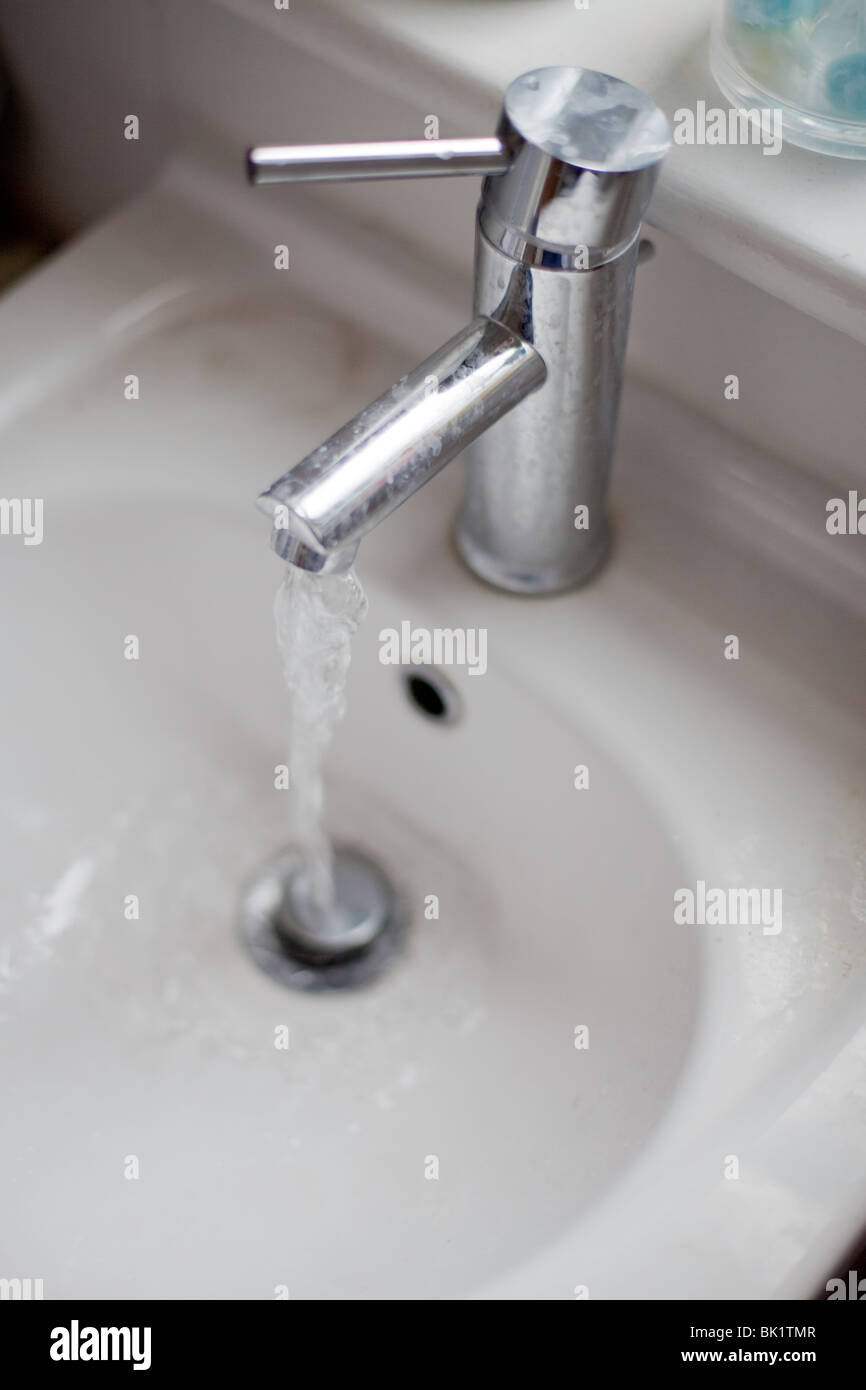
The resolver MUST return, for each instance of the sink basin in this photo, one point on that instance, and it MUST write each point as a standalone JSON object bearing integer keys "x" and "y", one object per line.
{"x": 445, "y": 1132}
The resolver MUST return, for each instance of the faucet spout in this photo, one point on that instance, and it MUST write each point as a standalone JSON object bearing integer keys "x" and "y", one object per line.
{"x": 323, "y": 506}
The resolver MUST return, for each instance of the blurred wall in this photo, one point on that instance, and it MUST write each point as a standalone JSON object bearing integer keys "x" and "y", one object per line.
{"x": 76, "y": 69}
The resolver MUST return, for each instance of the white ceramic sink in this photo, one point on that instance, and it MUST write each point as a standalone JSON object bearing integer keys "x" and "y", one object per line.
{"x": 261, "y": 1169}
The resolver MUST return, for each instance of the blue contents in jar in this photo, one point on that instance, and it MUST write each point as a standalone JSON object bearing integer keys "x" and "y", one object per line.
{"x": 846, "y": 86}
{"x": 774, "y": 14}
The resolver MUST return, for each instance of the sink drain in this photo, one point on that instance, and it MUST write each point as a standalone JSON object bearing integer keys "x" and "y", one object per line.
{"x": 295, "y": 945}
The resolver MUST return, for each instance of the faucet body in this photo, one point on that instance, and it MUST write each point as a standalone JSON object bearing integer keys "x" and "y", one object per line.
{"x": 530, "y": 388}
{"x": 534, "y": 518}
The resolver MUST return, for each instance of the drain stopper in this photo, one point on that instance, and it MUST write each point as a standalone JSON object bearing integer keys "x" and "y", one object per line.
{"x": 298, "y": 945}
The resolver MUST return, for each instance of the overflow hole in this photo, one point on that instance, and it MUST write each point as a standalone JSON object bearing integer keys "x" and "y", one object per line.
{"x": 432, "y": 694}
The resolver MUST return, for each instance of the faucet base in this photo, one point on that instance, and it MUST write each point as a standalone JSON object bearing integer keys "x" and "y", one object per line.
{"x": 534, "y": 580}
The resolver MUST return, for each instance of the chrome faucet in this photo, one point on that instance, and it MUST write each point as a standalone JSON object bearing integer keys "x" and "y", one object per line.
{"x": 530, "y": 389}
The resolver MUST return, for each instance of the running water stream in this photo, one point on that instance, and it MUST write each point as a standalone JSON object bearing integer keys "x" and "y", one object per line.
{"x": 316, "y": 617}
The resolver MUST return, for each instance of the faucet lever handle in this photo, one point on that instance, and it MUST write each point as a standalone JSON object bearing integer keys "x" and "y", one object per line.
{"x": 382, "y": 159}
